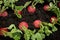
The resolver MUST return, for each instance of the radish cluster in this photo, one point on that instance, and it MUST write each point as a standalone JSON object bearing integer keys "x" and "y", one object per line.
{"x": 36, "y": 24}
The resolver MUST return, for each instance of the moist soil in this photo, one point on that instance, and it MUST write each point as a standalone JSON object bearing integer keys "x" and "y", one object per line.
{"x": 40, "y": 14}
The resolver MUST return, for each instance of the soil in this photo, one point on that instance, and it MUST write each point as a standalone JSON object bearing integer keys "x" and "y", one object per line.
{"x": 29, "y": 18}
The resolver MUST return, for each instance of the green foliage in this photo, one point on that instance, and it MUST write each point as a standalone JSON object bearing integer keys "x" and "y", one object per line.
{"x": 7, "y": 3}
{"x": 26, "y": 4}
{"x": 59, "y": 20}
{"x": 22, "y": 7}
{"x": 39, "y": 1}
{"x": 14, "y": 33}
{"x": 47, "y": 31}
{"x": 17, "y": 8}
{"x": 29, "y": 34}
{"x": 1, "y": 2}
{"x": 56, "y": 10}
{"x": 35, "y": 2}
{"x": 36, "y": 36}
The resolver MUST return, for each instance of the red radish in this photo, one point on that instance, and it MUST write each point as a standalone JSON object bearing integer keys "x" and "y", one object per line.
{"x": 3, "y": 29}
{"x": 0, "y": 14}
{"x": 53, "y": 19}
{"x": 4, "y": 14}
{"x": 37, "y": 23}
{"x": 46, "y": 7}
{"x": 25, "y": 24}
{"x": 19, "y": 12}
{"x": 31, "y": 9}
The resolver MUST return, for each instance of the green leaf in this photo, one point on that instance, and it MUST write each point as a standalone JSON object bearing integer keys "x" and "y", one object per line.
{"x": 12, "y": 1}
{"x": 5, "y": 1}
{"x": 49, "y": 0}
{"x": 59, "y": 20}
{"x": 51, "y": 4}
{"x": 19, "y": 31}
{"x": 16, "y": 0}
{"x": 33, "y": 37}
{"x": 47, "y": 31}
{"x": 16, "y": 36}
{"x": 12, "y": 6}
{"x": 41, "y": 30}
{"x": 1, "y": 2}
{"x": 38, "y": 36}
{"x": 11, "y": 26}
{"x": 4, "y": 8}
{"x": 9, "y": 34}
{"x": 13, "y": 30}
{"x": 49, "y": 24}
{"x": 27, "y": 36}
{"x": 18, "y": 15}
{"x": 42, "y": 35}
{"x": 54, "y": 29}
{"x": 28, "y": 33}
{"x": 39, "y": 1}
{"x": 26, "y": 4}
{"x": 19, "y": 8}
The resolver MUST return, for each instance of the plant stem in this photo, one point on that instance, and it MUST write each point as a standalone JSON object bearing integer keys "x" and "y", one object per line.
{"x": 58, "y": 23}
{"x": 0, "y": 8}
{"x": 35, "y": 3}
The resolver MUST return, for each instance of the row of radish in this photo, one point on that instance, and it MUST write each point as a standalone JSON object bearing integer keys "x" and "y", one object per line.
{"x": 36, "y": 24}
{"x": 30, "y": 9}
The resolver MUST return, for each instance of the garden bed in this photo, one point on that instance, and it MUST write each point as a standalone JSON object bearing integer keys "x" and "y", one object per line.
{"x": 39, "y": 14}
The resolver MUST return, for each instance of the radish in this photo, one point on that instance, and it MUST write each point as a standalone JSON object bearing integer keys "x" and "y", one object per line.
{"x": 3, "y": 30}
{"x": 53, "y": 19}
{"x": 4, "y": 14}
{"x": 31, "y": 9}
{"x": 19, "y": 12}
{"x": 21, "y": 24}
{"x": 37, "y": 23}
{"x": 0, "y": 15}
{"x": 46, "y": 7}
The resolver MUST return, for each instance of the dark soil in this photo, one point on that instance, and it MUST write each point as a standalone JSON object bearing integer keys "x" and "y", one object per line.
{"x": 29, "y": 18}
